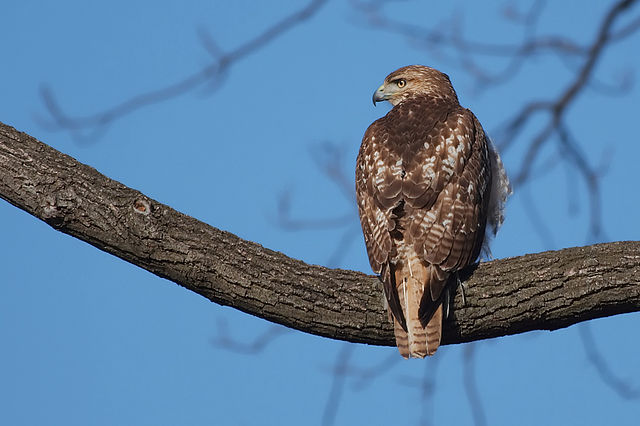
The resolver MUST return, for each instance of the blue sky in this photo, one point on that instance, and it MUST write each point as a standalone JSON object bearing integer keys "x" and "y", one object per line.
{"x": 90, "y": 339}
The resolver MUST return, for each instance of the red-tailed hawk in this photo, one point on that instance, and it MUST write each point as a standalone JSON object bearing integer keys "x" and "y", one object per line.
{"x": 428, "y": 181}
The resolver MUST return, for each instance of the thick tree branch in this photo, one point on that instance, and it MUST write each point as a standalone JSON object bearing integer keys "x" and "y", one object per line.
{"x": 543, "y": 291}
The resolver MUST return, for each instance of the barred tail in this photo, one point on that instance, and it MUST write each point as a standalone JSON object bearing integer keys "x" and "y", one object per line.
{"x": 418, "y": 340}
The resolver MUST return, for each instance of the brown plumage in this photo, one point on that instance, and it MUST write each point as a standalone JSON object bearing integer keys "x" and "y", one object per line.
{"x": 424, "y": 189}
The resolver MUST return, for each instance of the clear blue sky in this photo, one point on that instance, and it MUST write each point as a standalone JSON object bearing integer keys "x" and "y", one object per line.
{"x": 89, "y": 339}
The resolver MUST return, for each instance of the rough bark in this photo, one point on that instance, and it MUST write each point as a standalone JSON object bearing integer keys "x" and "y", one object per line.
{"x": 543, "y": 291}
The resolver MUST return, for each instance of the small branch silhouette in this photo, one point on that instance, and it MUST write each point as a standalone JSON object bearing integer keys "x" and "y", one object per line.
{"x": 87, "y": 128}
{"x": 623, "y": 388}
{"x": 225, "y": 339}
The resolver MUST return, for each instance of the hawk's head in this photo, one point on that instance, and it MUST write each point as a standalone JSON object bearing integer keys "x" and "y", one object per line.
{"x": 414, "y": 80}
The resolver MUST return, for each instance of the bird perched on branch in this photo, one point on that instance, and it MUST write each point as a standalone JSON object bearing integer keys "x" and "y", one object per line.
{"x": 428, "y": 182}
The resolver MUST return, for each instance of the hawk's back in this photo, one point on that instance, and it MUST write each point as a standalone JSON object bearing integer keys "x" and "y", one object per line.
{"x": 423, "y": 180}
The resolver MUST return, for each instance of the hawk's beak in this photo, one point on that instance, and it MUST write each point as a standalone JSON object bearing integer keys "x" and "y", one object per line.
{"x": 379, "y": 95}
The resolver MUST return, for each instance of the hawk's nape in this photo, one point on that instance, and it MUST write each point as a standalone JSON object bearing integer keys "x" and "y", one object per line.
{"x": 424, "y": 189}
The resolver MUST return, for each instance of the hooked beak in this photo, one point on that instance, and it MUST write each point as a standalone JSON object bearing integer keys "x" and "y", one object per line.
{"x": 379, "y": 95}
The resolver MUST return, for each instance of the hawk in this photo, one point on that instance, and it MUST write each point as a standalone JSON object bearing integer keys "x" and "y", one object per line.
{"x": 428, "y": 181}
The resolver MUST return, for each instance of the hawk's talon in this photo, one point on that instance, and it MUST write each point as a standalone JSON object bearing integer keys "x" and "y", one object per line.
{"x": 446, "y": 303}
{"x": 461, "y": 285}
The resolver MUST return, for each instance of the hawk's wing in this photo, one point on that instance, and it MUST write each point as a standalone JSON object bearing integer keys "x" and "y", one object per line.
{"x": 422, "y": 177}
{"x": 448, "y": 230}
{"x": 378, "y": 185}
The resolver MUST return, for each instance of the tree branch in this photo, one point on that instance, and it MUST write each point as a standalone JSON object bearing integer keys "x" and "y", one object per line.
{"x": 543, "y": 291}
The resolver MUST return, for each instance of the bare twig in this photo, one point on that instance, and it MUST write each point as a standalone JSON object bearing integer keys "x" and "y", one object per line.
{"x": 622, "y": 387}
{"x": 591, "y": 177}
{"x": 225, "y": 340}
{"x": 330, "y": 159}
{"x": 285, "y": 220}
{"x": 426, "y": 386}
{"x": 534, "y": 216}
{"x": 212, "y": 75}
{"x": 341, "y": 366}
{"x": 470, "y": 386}
{"x": 365, "y": 376}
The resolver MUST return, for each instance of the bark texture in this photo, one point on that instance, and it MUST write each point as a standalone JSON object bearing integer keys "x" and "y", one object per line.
{"x": 543, "y": 291}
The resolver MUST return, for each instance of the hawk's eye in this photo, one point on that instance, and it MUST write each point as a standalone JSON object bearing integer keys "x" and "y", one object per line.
{"x": 401, "y": 83}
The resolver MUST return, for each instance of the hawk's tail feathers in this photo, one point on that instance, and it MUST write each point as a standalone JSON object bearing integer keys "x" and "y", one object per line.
{"x": 417, "y": 341}
{"x": 434, "y": 331}
{"x": 402, "y": 338}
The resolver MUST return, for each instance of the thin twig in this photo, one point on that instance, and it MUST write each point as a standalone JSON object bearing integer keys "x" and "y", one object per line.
{"x": 212, "y": 74}
{"x": 225, "y": 340}
{"x": 622, "y": 387}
